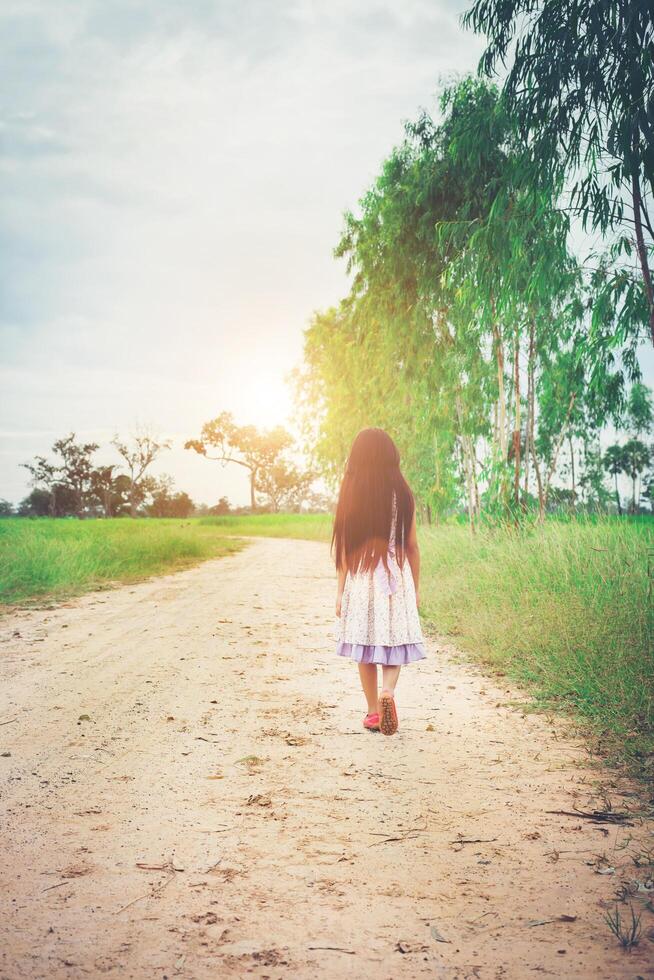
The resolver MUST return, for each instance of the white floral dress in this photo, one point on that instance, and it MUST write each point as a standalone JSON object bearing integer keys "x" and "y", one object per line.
{"x": 379, "y": 621}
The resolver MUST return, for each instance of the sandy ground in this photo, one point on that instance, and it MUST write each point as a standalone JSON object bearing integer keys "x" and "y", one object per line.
{"x": 218, "y": 811}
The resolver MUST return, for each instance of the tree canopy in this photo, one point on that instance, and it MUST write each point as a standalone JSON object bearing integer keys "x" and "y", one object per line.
{"x": 468, "y": 331}
{"x": 263, "y": 453}
{"x": 580, "y": 86}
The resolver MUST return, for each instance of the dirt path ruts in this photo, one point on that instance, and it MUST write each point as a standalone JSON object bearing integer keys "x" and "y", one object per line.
{"x": 222, "y": 813}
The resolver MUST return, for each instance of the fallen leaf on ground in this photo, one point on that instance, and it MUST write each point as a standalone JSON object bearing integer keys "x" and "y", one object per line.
{"x": 75, "y": 871}
{"x": 206, "y": 918}
{"x": 166, "y": 866}
{"x": 403, "y": 947}
{"x": 556, "y": 918}
{"x": 472, "y": 840}
{"x": 597, "y": 816}
{"x": 259, "y": 799}
{"x": 251, "y": 761}
{"x": 295, "y": 739}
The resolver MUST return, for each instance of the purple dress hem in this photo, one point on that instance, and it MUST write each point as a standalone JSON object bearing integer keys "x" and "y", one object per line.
{"x": 390, "y": 656}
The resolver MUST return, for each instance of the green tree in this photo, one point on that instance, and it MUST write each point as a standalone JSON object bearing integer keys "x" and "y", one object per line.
{"x": 139, "y": 453}
{"x": 44, "y": 476}
{"x": 109, "y": 490}
{"x": 221, "y": 508}
{"x": 257, "y": 451}
{"x": 592, "y": 480}
{"x": 648, "y": 492}
{"x": 467, "y": 332}
{"x": 640, "y": 409}
{"x": 460, "y": 270}
{"x": 38, "y": 503}
{"x": 68, "y": 479}
{"x": 284, "y": 486}
{"x": 76, "y": 469}
{"x": 580, "y": 84}
{"x": 637, "y": 457}
{"x": 166, "y": 503}
{"x": 615, "y": 463}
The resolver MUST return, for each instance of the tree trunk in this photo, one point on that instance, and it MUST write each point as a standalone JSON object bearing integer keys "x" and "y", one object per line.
{"x": 79, "y": 505}
{"x": 468, "y": 481}
{"x": 528, "y": 420}
{"x": 539, "y": 483}
{"x": 472, "y": 477}
{"x": 501, "y": 393}
{"x": 467, "y": 465}
{"x": 475, "y": 485}
{"x": 516, "y": 419}
{"x": 253, "y": 500}
{"x": 572, "y": 470}
{"x": 550, "y": 472}
{"x": 132, "y": 499}
{"x": 637, "y": 202}
{"x": 617, "y": 495}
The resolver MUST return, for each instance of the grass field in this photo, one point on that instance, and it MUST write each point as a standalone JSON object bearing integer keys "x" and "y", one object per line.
{"x": 56, "y": 558}
{"x": 563, "y": 608}
{"x": 312, "y": 527}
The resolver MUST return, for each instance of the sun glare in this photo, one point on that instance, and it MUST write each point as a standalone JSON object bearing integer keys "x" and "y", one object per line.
{"x": 266, "y": 400}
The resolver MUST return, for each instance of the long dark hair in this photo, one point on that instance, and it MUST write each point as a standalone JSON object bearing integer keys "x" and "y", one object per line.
{"x": 362, "y": 525}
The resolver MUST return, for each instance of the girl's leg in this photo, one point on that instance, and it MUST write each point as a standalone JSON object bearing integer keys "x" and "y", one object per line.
{"x": 368, "y": 675}
{"x": 389, "y": 678}
{"x": 387, "y": 712}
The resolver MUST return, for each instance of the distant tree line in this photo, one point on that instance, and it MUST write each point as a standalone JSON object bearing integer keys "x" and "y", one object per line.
{"x": 633, "y": 457}
{"x": 69, "y": 484}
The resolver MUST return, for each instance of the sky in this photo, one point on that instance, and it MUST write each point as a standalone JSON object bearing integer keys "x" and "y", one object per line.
{"x": 173, "y": 182}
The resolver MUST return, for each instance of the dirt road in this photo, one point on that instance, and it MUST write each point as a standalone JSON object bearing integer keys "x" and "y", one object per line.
{"x": 187, "y": 792}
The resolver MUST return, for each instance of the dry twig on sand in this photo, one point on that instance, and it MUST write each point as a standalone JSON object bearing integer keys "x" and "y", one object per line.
{"x": 597, "y": 816}
{"x": 168, "y": 866}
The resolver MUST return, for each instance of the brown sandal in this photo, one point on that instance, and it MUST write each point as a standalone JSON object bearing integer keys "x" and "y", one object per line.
{"x": 388, "y": 722}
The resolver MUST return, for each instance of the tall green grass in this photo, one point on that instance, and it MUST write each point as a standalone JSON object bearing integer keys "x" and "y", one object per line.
{"x": 311, "y": 527}
{"x": 60, "y": 557}
{"x": 564, "y": 608}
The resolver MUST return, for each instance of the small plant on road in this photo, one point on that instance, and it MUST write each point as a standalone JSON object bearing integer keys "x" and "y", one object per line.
{"x": 626, "y": 931}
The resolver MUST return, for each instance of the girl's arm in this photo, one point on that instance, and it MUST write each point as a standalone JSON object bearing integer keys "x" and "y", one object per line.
{"x": 413, "y": 554}
{"x": 342, "y": 572}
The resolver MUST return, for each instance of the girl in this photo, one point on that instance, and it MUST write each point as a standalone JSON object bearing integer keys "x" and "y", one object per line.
{"x": 378, "y": 564}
